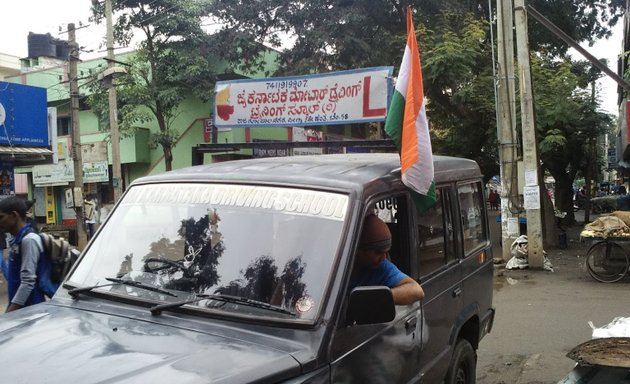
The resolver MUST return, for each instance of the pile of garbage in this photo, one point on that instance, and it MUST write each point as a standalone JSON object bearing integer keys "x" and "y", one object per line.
{"x": 519, "y": 254}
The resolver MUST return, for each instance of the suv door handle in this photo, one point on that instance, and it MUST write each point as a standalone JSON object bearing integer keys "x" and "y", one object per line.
{"x": 457, "y": 291}
{"x": 410, "y": 323}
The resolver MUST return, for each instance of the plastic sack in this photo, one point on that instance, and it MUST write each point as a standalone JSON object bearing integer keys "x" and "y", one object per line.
{"x": 517, "y": 263}
{"x": 619, "y": 327}
{"x": 519, "y": 252}
{"x": 519, "y": 247}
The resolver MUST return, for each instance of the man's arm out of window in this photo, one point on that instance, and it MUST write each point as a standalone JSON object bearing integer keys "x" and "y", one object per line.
{"x": 407, "y": 291}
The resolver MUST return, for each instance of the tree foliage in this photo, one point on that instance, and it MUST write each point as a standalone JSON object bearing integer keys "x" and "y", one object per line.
{"x": 168, "y": 65}
{"x": 568, "y": 122}
{"x": 455, "y": 44}
{"x": 582, "y": 20}
{"x": 341, "y": 34}
{"x": 458, "y": 81}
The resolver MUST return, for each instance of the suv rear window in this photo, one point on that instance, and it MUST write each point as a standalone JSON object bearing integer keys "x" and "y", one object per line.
{"x": 436, "y": 242}
{"x": 471, "y": 204}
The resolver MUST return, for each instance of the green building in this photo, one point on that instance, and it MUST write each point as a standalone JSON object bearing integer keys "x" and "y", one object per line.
{"x": 48, "y": 183}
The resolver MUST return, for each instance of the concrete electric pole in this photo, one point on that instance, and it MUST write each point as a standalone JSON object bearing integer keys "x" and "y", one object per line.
{"x": 506, "y": 122}
{"x": 77, "y": 187}
{"x": 113, "y": 105}
{"x": 531, "y": 163}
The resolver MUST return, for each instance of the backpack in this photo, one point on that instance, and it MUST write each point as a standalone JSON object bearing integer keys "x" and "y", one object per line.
{"x": 60, "y": 254}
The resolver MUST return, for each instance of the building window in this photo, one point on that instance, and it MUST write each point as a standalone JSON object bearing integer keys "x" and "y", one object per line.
{"x": 64, "y": 126}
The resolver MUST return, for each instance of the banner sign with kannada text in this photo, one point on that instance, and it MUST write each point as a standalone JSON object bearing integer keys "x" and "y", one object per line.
{"x": 345, "y": 97}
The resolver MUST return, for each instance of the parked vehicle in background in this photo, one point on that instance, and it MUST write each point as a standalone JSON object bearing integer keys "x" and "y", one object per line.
{"x": 238, "y": 272}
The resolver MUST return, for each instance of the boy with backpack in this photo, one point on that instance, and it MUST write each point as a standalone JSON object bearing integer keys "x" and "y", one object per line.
{"x": 27, "y": 271}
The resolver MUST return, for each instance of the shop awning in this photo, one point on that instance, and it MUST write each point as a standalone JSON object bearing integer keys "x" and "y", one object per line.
{"x": 25, "y": 155}
{"x": 35, "y": 151}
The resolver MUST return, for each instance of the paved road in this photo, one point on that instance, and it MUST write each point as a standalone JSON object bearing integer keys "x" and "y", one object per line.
{"x": 542, "y": 315}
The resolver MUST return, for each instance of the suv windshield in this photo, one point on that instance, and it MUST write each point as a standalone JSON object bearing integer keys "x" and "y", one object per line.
{"x": 263, "y": 244}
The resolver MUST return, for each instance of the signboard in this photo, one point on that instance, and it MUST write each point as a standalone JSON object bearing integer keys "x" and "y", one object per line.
{"x": 355, "y": 96}
{"x": 25, "y": 115}
{"x": 269, "y": 152}
{"x": 62, "y": 173}
{"x": 612, "y": 158}
{"x": 513, "y": 229}
{"x": 7, "y": 179}
{"x": 531, "y": 197}
{"x": 207, "y": 130}
{"x": 96, "y": 172}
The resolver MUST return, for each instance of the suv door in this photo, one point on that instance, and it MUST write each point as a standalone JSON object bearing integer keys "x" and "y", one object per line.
{"x": 439, "y": 271}
{"x": 389, "y": 352}
{"x": 477, "y": 268}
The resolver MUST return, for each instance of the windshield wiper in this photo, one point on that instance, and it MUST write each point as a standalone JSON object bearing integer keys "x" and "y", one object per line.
{"x": 74, "y": 292}
{"x": 157, "y": 310}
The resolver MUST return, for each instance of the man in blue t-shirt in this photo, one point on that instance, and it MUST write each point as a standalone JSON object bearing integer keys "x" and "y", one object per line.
{"x": 373, "y": 268}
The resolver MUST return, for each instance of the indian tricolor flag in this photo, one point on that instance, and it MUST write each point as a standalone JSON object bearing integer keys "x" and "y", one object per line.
{"x": 407, "y": 124}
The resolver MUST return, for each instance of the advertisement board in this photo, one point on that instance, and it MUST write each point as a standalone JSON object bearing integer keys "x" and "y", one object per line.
{"x": 354, "y": 96}
{"x": 612, "y": 157}
{"x": 62, "y": 173}
{"x": 7, "y": 179}
{"x": 23, "y": 115}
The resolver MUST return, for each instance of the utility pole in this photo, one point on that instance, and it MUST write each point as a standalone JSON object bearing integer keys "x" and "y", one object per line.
{"x": 506, "y": 123}
{"x": 113, "y": 105}
{"x": 531, "y": 163}
{"x": 77, "y": 187}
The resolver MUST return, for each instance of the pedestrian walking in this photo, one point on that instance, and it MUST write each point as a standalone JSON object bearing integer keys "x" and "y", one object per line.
{"x": 493, "y": 198}
{"x": 25, "y": 270}
{"x": 89, "y": 210}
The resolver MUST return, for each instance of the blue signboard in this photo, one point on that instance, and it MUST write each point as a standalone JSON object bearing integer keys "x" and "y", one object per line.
{"x": 23, "y": 115}
{"x": 612, "y": 158}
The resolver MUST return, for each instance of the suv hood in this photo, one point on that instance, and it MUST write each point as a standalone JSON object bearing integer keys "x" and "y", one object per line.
{"x": 47, "y": 343}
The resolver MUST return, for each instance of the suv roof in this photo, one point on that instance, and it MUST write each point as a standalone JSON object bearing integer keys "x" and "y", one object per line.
{"x": 340, "y": 171}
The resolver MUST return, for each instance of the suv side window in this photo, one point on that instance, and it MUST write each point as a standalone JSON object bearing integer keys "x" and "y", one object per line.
{"x": 436, "y": 242}
{"x": 471, "y": 204}
{"x": 393, "y": 211}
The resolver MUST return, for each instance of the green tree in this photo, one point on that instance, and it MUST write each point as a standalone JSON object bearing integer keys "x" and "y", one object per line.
{"x": 458, "y": 81}
{"x": 341, "y": 34}
{"x": 454, "y": 40}
{"x": 568, "y": 122}
{"x": 168, "y": 65}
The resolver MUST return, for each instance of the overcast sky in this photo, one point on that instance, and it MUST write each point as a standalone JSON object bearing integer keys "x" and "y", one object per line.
{"x": 49, "y": 16}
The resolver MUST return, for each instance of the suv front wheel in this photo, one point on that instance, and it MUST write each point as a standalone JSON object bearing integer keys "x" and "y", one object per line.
{"x": 463, "y": 367}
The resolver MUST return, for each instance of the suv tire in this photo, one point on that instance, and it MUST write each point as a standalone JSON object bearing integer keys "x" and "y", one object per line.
{"x": 463, "y": 367}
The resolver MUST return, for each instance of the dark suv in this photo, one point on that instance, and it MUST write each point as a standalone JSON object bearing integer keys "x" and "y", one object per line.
{"x": 237, "y": 272}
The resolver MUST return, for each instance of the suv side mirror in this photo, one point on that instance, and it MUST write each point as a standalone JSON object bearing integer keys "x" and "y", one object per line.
{"x": 370, "y": 305}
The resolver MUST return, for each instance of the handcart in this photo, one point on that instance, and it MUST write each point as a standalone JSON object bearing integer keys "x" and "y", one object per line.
{"x": 607, "y": 258}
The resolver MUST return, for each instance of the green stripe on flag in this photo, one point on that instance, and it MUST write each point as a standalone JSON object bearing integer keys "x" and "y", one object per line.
{"x": 394, "y": 120}
{"x": 423, "y": 203}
